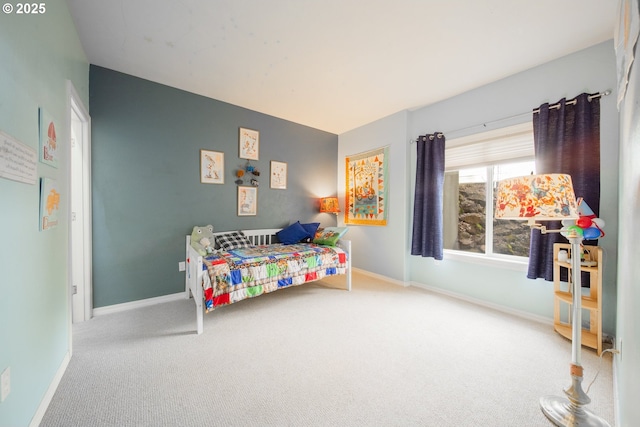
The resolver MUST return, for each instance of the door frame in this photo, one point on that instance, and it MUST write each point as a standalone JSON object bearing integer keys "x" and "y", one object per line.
{"x": 75, "y": 105}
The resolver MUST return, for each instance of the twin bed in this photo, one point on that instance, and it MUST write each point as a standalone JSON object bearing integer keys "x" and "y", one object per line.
{"x": 230, "y": 276}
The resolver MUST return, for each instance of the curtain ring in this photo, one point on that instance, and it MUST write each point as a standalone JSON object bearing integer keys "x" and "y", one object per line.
{"x": 431, "y": 138}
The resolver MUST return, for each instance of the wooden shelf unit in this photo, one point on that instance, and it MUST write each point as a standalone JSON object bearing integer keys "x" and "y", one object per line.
{"x": 591, "y": 337}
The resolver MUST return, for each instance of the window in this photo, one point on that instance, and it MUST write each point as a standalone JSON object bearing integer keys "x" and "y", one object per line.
{"x": 474, "y": 165}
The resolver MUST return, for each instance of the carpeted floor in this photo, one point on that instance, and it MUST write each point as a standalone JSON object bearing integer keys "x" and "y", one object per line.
{"x": 316, "y": 355}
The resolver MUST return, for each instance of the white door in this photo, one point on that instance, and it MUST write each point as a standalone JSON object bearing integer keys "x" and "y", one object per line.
{"x": 80, "y": 228}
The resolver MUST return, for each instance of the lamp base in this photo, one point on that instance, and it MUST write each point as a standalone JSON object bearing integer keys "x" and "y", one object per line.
{"x": 570, "y": 412}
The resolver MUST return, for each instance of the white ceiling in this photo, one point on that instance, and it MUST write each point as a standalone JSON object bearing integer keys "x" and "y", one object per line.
{"x": 334, "y": 64}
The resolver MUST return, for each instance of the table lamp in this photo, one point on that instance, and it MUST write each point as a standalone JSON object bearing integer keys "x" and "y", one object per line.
{"x": 550, "y": 197}
{"x": 330, "y": 205}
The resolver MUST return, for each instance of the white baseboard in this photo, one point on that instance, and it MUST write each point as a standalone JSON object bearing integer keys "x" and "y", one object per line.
{"x": 380, "y": 276}
{"x": 46, "y": 400}
{"x": 498, "y": 307}
{"x": 137, "y": 304}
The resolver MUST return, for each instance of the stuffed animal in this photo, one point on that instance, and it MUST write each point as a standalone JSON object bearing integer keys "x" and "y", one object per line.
{"x": 207, "y": 245}
{"x": 202, "y": 239}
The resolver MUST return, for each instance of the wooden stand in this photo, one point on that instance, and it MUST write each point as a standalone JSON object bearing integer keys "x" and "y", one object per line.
{"x": 591, "y": 337}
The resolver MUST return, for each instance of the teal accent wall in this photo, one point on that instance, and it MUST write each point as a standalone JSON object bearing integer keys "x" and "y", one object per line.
{"x": 590, "y": 70}
{"x": 38, "y": 54}
{"x": 147, "y": 195}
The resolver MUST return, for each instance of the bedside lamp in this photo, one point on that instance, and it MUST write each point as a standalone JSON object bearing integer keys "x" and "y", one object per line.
{"x": 551, "y": 198}
{"x": 330, "y": 205}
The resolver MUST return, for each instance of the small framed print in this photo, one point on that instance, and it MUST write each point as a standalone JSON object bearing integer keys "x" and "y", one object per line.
{"x": 249, "y": 144}
{"x": 247, "y": 201}
{"x": 278, "y": 175}
{"x": 48, "y": 139}
{"x": 211, "y": 167}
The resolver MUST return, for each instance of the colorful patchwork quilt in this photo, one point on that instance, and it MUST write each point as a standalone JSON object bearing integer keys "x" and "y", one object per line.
{"x": 248, "y": 272}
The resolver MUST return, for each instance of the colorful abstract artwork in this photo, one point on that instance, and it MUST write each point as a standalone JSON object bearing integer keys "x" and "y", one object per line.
{"x": 366, "y": 201}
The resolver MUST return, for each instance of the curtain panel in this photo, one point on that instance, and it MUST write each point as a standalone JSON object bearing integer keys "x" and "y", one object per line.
{"x": 427, "y": 239}
{"x": 566, "y": 140}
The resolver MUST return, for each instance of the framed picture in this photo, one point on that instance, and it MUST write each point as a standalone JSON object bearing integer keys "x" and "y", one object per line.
{"x": 48, "y": 138}
{"x": 211, "y": 167}
{"x": 249, "y": 144}
{"x": 49, "y": 203}
{"x": 367, "y": 186}
{"x": 278, "y": 175}
{"x": 247, "y": 201}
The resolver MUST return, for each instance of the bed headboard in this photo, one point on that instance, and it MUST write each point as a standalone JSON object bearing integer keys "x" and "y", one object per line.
{"x": 265, "y": 236}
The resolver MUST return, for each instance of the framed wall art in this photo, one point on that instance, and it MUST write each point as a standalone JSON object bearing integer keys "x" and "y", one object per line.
{"x": 49, "y": 203}
{"x": 278, "y": 175}
{"x": 48, "y": 138}
{"x": 366, "y": 201}
{"x": 249, "y": 144}
{"x": 247, "y": 201}
{"x": 211, "y": 167}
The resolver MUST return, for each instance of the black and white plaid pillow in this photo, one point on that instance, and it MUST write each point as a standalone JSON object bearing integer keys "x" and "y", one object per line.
{"x": 233, "y": 240}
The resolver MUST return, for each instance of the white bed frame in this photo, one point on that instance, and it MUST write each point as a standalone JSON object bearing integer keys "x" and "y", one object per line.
{"x": 194, "y": 272}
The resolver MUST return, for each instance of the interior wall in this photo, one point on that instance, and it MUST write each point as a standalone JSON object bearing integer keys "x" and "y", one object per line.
{"x": 38, "y": 53}
{"x": 147, "y": 195}
{"x": 628, "y": 320}
{"x": 590, "y": 70}
{"x": 380, "y": 250}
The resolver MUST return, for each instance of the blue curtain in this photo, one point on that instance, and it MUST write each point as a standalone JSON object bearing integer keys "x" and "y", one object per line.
{"x": 566, "y": 140}
{"x": 427, "y": 240}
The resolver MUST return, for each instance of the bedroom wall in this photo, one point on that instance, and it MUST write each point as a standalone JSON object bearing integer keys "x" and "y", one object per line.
{"x": 590, "y": 70}
{"x": 628, "y": 320}
{"x": 380, "y": 250}
{"x": 147, "y": 195}
{"x": 38, "y": 53}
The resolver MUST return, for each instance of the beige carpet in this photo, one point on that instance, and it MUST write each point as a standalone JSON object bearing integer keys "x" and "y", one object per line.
{"x": 316, "y": 355}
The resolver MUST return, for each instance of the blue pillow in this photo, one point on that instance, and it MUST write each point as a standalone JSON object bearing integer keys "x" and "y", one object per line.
{"x": 311, "y": 228}
{"x": 292, "y": 234}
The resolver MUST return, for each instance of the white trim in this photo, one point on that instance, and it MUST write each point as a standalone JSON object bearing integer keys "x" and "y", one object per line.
{"x": 616, "y": 398}
{"x": 502, "y": 308}
{"x": 48, "y": 396}
{"x": 511, "y": 263}
{"x": 115, "y": 308}
{"x": 381, "y": 277}
{"x": 74, "y": 102}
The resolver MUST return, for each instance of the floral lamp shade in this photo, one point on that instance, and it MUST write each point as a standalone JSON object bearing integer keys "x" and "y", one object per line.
{"x": 329, "y": 204}
{"x": 547, "y": 197}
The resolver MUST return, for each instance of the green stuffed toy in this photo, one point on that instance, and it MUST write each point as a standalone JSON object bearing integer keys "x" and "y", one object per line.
{"x": 203, "y": 240}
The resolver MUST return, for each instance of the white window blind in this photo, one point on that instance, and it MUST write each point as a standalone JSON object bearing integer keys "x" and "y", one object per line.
{"x": 492, "y": 147}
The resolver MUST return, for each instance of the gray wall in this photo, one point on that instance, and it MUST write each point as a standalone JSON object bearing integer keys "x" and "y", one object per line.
{"x": 38, "y": 54}
{"x": 147, "y": 195}
{"x": 590, "y": 70}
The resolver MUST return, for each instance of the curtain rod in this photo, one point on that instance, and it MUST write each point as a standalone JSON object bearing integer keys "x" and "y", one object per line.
{"x": 537, "y": 110}
{"x": 574, "y": 101}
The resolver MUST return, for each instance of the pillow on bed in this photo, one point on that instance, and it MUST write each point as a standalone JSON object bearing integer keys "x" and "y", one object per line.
{"x": 233, "y": 240}
{"x": 330, "y": 236}
{"x": 311, "y": 228}
{"x": 292, "y": 234}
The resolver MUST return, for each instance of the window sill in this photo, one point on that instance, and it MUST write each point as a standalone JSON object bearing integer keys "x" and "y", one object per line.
{"x": 519, "y": 264}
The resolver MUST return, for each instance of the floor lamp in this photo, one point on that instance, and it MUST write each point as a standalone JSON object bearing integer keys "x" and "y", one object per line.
{"x": 551, "y": 198}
